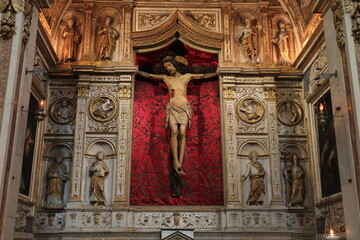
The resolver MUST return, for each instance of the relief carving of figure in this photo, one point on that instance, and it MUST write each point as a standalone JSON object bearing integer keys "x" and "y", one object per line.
{"x": 109, "y": 36}
{"x": 57, "y": 176}
{"x": 178, "y": 110}
{"x": 294, "y": 176}
{"x": 247, "y": 40}
{"x": 71, "y": 41}
{"x": 282, "y": 45}
{"x": 255, "y": 171}
{"x": 289, "y": 113}
{"x": 98, "y": 171}
{"x": 62, "y": 111}
{"x": 104, "y": 108}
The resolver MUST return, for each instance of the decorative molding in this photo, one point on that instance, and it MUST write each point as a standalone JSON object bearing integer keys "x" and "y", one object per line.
{"x": 229, "y": 92}
{"x": 337, "y": 8}
{"x": 28, "y": 12}
{"x": 9, "y": 9}
{"x": 149, "y": 20}
{"x": 125, "y": 91}
{"x": 352, "y": 7}
{"x": 83, "y": 92}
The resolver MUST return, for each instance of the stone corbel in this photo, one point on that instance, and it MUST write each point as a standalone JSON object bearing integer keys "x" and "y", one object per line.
{"x": 9, "y": 9}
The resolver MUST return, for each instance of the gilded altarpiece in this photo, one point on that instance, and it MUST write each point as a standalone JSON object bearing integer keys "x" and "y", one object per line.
{"x": 260, "y": 106}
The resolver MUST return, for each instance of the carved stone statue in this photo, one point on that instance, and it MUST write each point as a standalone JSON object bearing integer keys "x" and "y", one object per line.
{"x": 294, "y": 176}
{"x": 109, "y": 36}
{"x": 178, "y": 110}
{"x": 57, "y": 176}
{"x": 71, "y": 41}
{"x": 98, "y": 171}
{"x": 247, "y": 40}
{"x": 256, "y": 173}
{"x": 282, "y": 45}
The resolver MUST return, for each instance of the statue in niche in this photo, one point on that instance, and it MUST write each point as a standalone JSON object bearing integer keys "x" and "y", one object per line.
{"x": 247, "y": 40}
{"x": 294, "y": 177}
{"x": 178, "y": 110}
{"x": 109, "y": 36}
{"x": 57, "y": 176}
{"x": 98, "y": 171}
{"x": 282, "y": 45}
{"x": 71, "y": 41}
{"x": 256, "y": 173}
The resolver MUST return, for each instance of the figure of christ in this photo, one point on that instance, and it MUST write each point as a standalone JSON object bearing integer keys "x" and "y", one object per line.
{"x": 178, "y": 110}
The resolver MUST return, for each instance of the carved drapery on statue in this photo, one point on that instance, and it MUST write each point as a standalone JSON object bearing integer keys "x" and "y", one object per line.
{"x": 150, "y": 174}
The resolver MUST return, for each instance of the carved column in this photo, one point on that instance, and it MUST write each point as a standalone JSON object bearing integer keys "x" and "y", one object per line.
{"x": 83, "y": 94}
{"x": 87, "y": 30}
{"x": 127, "y": 54}
{"x": 266, "y": 43}
{"x": 229, "y": 121}
{"x": 227, "y": 35}
{"x": 124, "y": 139}
{"x": 270, "y": 96}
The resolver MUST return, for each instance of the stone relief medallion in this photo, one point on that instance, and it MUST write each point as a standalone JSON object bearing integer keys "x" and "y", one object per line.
{"x": 62, "y": 111}
{"x": 103, "y": 108}
{"x": 250, "y": 110}
{"x": 290, "y": 113}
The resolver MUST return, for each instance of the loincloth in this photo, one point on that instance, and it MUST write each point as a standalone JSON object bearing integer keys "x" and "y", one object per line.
{"x": 178, "y": 115}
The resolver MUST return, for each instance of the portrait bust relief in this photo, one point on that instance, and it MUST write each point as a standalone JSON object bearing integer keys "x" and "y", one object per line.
{"x": 103, "y": 108}
{"x": 289, "y": 113}
{"x": 62, "y": 111}
{"x": 250, "y": 110}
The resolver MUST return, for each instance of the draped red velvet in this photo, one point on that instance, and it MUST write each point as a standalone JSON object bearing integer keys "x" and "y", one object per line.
{"x": 150, "y": 179}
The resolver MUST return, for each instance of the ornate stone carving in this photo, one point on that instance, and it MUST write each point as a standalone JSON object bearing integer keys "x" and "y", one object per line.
{"x": 148, "y": 20}
{"x": 207, "y": 20}
{"x": 282, "y": 45}
{"x": 156, "y": 220}
{"x": 229, "y": 92}
{"x": 28, "y": 11}
{"x": 337, "y": 8}
{"x": 290, "y": 113}
{"x": 62, "y": 111}
{"x": 103, "y": 108}
{"x": 125, "y": 92}
{"x": 109, "y": 36}
{"x": 250, "y": 110}
{"x": 72, "y": 38}
{"x": 53, "y": 221}
{"x": 270, "y": 94}
{"x": 248, "y": 42}
{"x": 23, "y": 219}
{"x": 352, "y": 7}
{"x": 83, "y": 92}
{"x": 9, "y": 8}
{"x": 98, "y": 172}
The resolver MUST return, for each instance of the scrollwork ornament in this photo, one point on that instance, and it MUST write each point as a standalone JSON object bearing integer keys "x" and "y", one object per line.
{"x": 352, "y": 7}
{"x": 337, "y": 8}
{"x": 9, "y": 8}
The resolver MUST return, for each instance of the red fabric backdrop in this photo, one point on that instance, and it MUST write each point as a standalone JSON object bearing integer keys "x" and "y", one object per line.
{"x": 150, "y": 179}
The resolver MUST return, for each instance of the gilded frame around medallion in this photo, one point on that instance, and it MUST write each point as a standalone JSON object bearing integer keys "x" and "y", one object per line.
{"x": 56, "y": 113}
{"x": 250, "y": 110}
{"x": 289, "y": 113}
{"x": 103, "y": 108}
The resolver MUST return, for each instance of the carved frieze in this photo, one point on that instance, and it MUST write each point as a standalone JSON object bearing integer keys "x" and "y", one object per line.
{"x": 206, "y": 20}
{"x": 53, "y": 221}
{"x": 149, "y": 20}
{"x": 24, "y": 220}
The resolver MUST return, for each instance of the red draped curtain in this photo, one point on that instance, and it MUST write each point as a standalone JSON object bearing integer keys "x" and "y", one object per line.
{"x": 150, "y": 165}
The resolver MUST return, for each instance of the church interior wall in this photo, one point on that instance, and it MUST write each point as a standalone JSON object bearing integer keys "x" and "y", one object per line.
{"x": 282, "y": 90}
